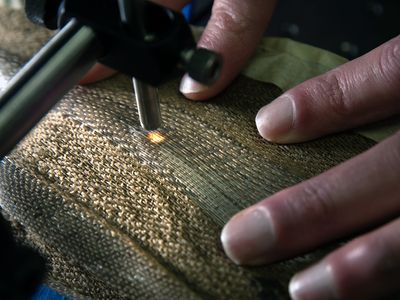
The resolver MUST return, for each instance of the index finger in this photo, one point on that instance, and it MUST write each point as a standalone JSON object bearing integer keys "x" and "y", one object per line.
{"x": 234, "y": 30}
{"x": 353, "y": 195}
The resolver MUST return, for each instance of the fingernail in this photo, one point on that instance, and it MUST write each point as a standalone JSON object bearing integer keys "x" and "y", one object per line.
{"x": 317, "y": 282}
{"x": 275, "y": 120}
{"x": 190, "y": 86}
{"x": 248, "y": 236}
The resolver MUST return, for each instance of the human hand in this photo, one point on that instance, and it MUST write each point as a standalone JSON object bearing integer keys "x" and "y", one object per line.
{"x": 358, "y": 194}
{"x": 234, "y": 30}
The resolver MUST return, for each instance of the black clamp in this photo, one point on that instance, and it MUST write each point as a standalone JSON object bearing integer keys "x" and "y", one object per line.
{"x": 136, "y": 37}
{"x": 139, "y": 38}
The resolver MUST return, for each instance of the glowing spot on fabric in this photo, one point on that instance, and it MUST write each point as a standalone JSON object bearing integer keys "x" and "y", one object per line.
{"x": 156, "y": 137}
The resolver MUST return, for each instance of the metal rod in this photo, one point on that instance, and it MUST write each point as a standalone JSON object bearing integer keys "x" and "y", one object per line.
{"x": 148, "y": 105}
{"x": 44, "y": 81}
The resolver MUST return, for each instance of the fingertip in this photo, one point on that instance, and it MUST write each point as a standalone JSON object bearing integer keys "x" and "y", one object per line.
{"x": 194, "y": 90}
{"x": 249, "y": 236}
{"x": 275, "y": 121}
{"x": 226, "y": 242}
{"x": 97, "y": 73}
{"x": 316, "y": 282}
{"x": 191, "y": 88}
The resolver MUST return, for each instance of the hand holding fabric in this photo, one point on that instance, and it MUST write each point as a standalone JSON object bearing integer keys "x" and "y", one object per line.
{"x": 353, "y": 196}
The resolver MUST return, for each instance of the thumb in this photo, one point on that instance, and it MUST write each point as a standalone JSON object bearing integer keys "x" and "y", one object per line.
{"x": 234, "y": 30}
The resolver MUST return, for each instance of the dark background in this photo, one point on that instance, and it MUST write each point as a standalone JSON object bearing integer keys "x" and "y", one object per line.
{"x": 349, "y": 28}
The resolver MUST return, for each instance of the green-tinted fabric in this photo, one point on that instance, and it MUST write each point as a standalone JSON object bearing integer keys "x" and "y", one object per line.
{"x": 286, "y": 63}
{"x": 11, "y": 3}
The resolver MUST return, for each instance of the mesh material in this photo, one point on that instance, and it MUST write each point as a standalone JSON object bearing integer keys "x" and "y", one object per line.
{"x": 119, "y": 216}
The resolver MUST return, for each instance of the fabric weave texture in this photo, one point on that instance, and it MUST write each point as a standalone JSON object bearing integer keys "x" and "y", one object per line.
{"x": 120, "y": 217}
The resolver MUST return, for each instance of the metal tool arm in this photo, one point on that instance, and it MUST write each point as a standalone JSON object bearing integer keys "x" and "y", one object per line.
{"x": 44, "y": 81}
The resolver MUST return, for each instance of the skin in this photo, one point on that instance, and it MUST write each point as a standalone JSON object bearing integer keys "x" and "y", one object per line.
{"x": 360, "y": 193}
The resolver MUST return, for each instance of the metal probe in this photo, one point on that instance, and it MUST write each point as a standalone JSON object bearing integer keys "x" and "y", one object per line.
{"x": 148, "y": 105}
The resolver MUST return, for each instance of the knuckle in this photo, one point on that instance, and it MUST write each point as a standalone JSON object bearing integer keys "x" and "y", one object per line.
{"x": 388, "y": 66}
{"x": 331, "y": 90}
{"x": 230, "y": 18}
{"x": 314, "y": 201}
{"x": 224, "y": 20}
{"x": 381, "y": 252}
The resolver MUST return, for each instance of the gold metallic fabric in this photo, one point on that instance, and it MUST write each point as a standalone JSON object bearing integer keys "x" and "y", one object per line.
{"x": 121, "y": 217}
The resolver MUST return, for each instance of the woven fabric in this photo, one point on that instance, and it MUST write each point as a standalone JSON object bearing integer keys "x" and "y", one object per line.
{"x": 121, "y": 217}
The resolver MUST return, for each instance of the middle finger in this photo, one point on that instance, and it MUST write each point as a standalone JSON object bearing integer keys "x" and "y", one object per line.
{"x": 326, "y": 207}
